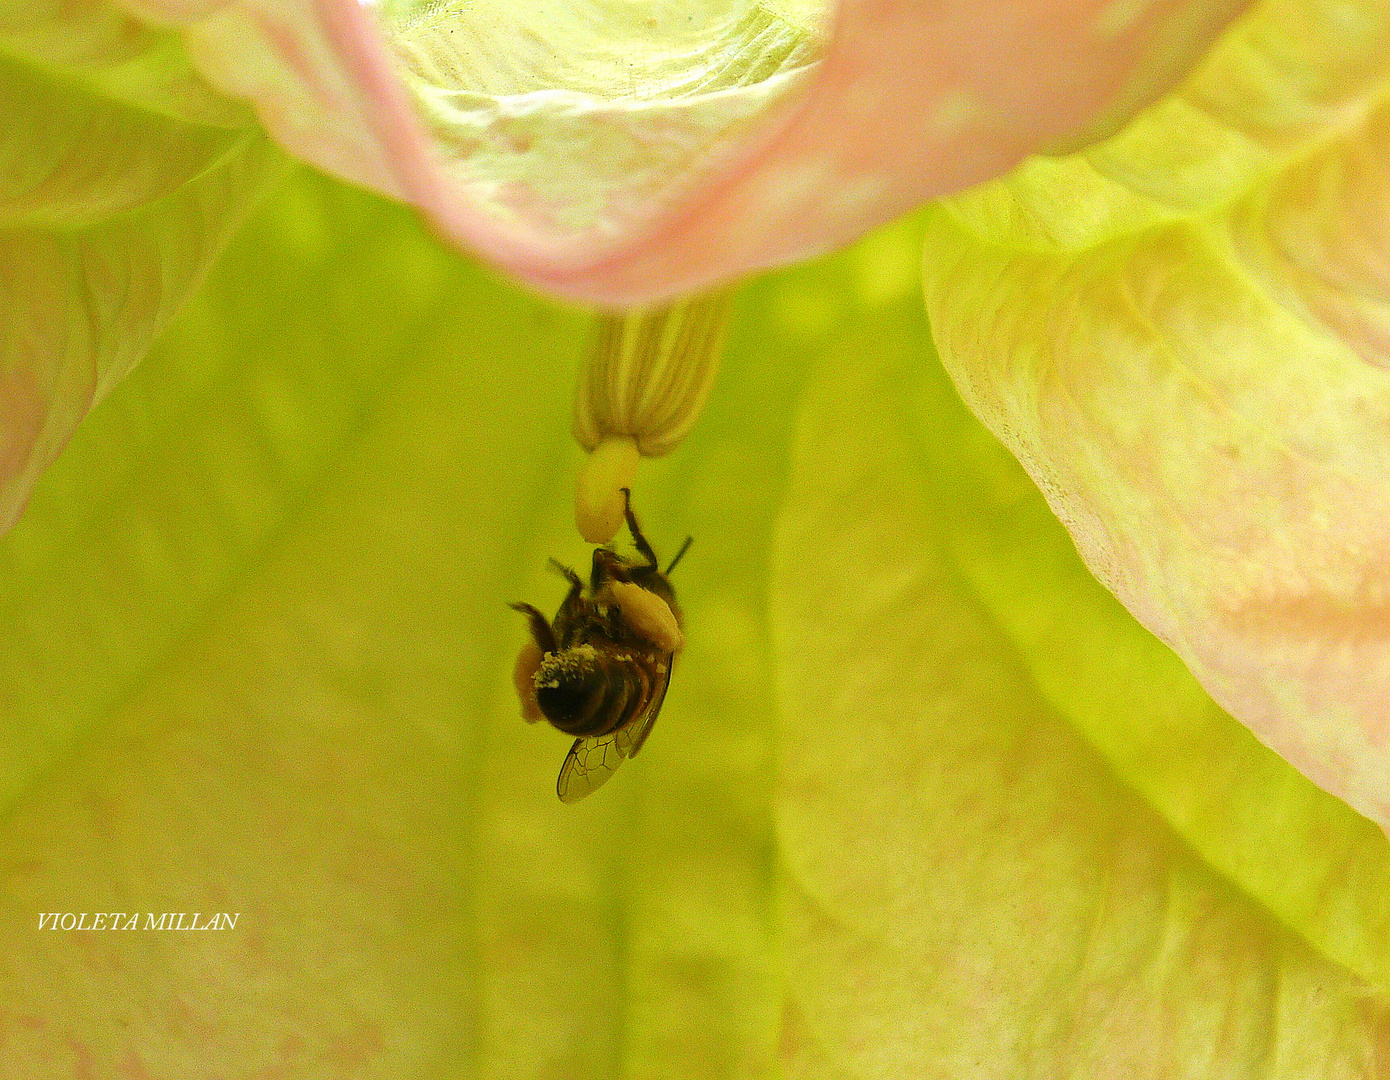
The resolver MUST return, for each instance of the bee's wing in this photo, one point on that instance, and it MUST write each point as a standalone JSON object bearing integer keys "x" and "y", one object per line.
{"x": 591, "y": 761}
{"x": 594, "y": 758}
{"x": 631, "y": 736}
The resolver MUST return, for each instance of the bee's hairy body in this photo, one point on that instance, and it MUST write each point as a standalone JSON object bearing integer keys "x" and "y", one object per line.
{"x": 599, "y": 670}
{"x": 600, "y": 677}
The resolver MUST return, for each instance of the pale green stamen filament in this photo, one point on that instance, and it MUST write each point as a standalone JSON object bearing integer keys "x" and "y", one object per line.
{"x": 641, "y": 392}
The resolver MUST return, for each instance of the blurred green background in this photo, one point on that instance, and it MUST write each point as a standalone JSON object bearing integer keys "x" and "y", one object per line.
{"x": 923, "y": 801}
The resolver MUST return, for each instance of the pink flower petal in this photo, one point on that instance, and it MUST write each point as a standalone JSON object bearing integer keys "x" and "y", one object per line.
{"x": 1203, "y": 390}
{"x": 124, "y": 174}
{"x": 912, "y": 100}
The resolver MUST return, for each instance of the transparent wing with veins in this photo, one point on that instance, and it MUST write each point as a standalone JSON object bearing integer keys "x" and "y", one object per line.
{"x": 594, "y": 758}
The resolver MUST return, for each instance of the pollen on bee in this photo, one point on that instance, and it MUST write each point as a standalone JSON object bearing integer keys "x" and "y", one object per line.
{"x": 554, "y": 667}
{"x": 528, "y": 663}
{"x": 648, "y": 615}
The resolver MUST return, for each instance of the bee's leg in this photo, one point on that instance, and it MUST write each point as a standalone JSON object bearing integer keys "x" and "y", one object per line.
{"x": 566, "y": 573}
{"x": 541, "y": 631}
{"x": 528, "y": 662}
{"x": 638, "y": 540}
{"x": 576, "y": 587}
{"x": 601, "y": 569}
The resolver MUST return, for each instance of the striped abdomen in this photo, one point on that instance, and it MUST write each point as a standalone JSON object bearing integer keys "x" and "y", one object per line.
{"x": 594, "y": 689}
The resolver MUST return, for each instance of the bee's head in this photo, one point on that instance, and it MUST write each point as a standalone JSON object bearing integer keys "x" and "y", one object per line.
{"x": 570, "y": 689}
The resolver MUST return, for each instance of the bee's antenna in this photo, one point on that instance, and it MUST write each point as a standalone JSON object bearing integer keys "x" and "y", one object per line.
{"x": 566, "y": 573}
{"x": 681, "y": 553}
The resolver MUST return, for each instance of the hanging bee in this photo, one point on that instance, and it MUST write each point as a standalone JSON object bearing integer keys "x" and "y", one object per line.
{"x": 600, "y": 670}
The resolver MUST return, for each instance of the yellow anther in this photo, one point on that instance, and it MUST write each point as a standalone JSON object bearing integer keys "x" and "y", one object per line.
{"x": 599, "y": 502}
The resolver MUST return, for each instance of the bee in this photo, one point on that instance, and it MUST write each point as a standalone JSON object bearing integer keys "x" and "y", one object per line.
{"x": 600, "y": 669}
